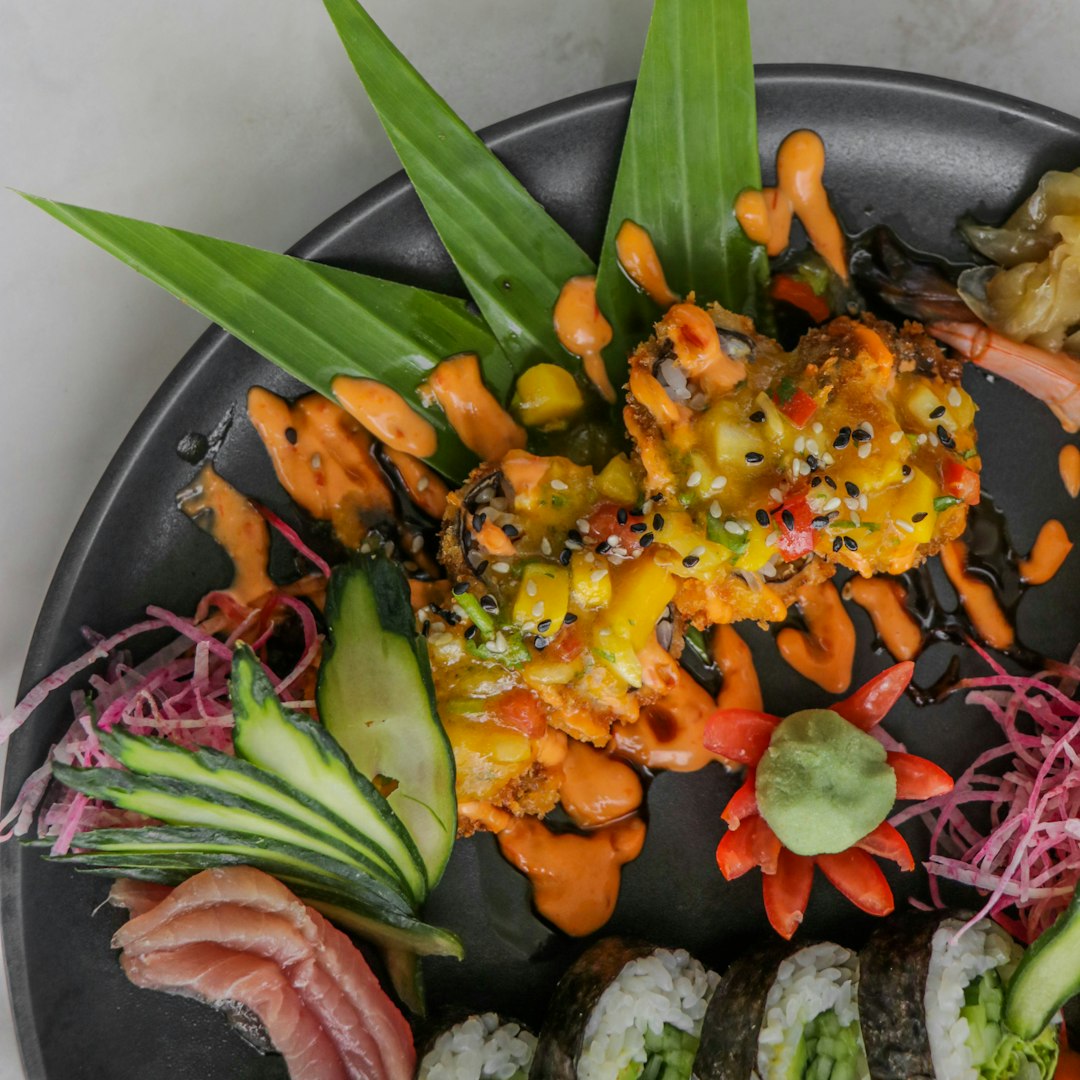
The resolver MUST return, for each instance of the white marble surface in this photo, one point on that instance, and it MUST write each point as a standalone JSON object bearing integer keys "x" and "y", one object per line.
{"x": 244, "y": 119}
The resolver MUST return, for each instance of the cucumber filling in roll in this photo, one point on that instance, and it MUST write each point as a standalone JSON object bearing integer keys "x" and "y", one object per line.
{"x": 810, "y": 1030}
{"x": 965, "y": 997}
{"x": 647, "y": 1023}
{"x": 480, "y": 1048}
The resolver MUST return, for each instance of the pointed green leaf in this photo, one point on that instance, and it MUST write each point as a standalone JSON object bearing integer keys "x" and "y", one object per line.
{"x": 314, "y": 321}
{"x": 513, "y": 257}
{"x": 690, "y": 148}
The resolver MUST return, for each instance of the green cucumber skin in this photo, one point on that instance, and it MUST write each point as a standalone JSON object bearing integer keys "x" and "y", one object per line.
{"x": 368, "y": 608}
{"x": 312, "y": 750}
{"x": 1048, "y": 975}
{"x": 158, "y": 758}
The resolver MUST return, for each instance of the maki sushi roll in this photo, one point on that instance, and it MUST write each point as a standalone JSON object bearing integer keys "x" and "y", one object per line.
{"x": 483, "y": 1047}
{"x": 780, "y": 1015}
{"x": 625, "y": 1011}
{"x": 931, "y": 1003}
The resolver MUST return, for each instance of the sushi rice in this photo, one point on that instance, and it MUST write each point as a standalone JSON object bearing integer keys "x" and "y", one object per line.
{"x": 810, "y": 985}
{"x": 656, "y": 1002}
{"x": 480, "y": 1048}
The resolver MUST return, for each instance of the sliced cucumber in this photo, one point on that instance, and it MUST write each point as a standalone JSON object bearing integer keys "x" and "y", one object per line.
{"x": 1048, "y": 975}
{"x": 376, "y": 697}
{"x": 212, "y": 769}
{"x": 306, "y": 757}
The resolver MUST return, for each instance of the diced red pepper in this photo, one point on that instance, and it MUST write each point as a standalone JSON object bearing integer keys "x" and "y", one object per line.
{"x": 787, "y": 892}
{"x": 860, "y": 879}
{"x": 886, "y": 843}
{"x": 798, "y": 540}
{"x": 960, "y": 482}
{"x": 867, "y": 707}
{"x": 742, "y": 804}
{"x": 567, "y": 644}
{"x": 798, "y": 408}
{"x": 797, "y": 293}
{"x": 604, "y": 523}
{"x": 740, "y": 735}
{"x": 917, "y": 778}
{"x": 520, "y": 709}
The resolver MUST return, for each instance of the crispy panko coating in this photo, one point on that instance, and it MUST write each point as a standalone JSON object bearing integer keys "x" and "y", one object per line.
{"x": 772, "y": 468}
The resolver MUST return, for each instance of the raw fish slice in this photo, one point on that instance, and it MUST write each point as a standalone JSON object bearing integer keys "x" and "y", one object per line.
{"x": 216, "y": 975}
{"x": 137, "y": 897}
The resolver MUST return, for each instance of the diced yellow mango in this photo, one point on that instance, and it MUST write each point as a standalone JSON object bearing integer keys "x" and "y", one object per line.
{"x": 546, "y": 397}
{"x": 617, "y": 482}
{"x": 543, "y": 593}
{"x": 617, "y": 653}
{"x": 915, "y": 497}
{"x": 757, "y": 552}
{"x": 590, "y": 582}
{"x": 643, "y": 590}
{"x": 551, "y": 672}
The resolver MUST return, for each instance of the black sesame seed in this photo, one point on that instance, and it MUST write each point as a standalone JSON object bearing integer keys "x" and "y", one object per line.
{"x": 541, "y": 642}
{"x": 861, "y": 435}
{"x": 574, "y": 535}
{"x": 938, "y": 413}
{"x": 646, "y": 539}
{"x": 621, "y": 515}
{"x": 816, "y": 482}
{"x": 426, "y": 627}
{"x": 460, "y": 588}
{"x": 657, "y": 521}
{"x": 638, "y": 527}
{"x": 757, "y": 417}
{"x": 291, "y": 435}
{"x": 851, "y": 489}
{"x": 754, "y": 458}
{"x": 511, "y": 531}
{"x": 564, "y": 556}
{"x": 478, "y": 521}
{"x": 489, "y": 603}
{"x": 812, "y": 461}
{"x": 920, "y": 516}
{"x": 762, "y": 518}
{"x": 905, "y": 469}
{"x": 691, "y": 561}
{"x": 849, "y": 543}
{"x": 603, "y": 547}
{"x": 820, "y": 521}
{"x": 788, "y": 518}
{"x": 543, "y": 626}
{"x": 946, "y": 439}
{"x": 569, "y": 619}
{"x": 843, "y": 437}
{"x": 831, "y": 482}
{"x": 481, "y": 567}
{"x": 470, "y": 632}
{"x": 838, "y": 543}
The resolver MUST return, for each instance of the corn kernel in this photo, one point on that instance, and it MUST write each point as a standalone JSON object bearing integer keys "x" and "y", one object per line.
{"x": 588, "y": 587}
{"x": 616, "y": 481}
{"x": 542, "y": 594}
{"x": 546, "y": 397}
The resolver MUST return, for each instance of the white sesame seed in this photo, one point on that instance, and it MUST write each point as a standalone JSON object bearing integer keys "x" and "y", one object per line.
{"x": 545, "y": 546}
{"x": 921, "y": 440}
{"x": 768, "y": 571}
{"x": 613, "y": 540}
{"x": 833, "y": 504}
{"x": 498, "y": 643}
{"x": 538, "y": 609}
{"x": 693, "y": 479}
{"x": 812, "y": 446}
{"x": 719, "y": 483}
{"x": 438, "y": 627}
{"x": 558, "y": 485}
{"x": 530, "y": 588}
{"x": 867, "y": 427}
{"x": 423, "y": 484}
{"x": 800, "y": 444}
{"x": 933, "y": 439}
{"x": 852, "y": 504}
{"x": 698, "y": 552}
{"x": 646, "y": 507}
{"x": 896, "y": 437}
{"x": 771, "y": 540}
{"x": 590, "y": 557}
{"x": 817, "y": 428}
{"x": 583, "y": 525}
{"x": 316, "y": 461}
{"x": 863, "y": 501}
{"x": 864, "y": 450}
{"x": 714, "y": 509}
{"x": 598, "y": 575}
{"x": 776, "y": 495}
{"x": 416, "y": 544}
{"x": 501, "y": 567}
{"x": 904, "y": 526}
{"x": 855, "y": 519}
{"x": 388, "y": 548}
{"x": 440, "y": 641}
{"x": 954, "y": 398}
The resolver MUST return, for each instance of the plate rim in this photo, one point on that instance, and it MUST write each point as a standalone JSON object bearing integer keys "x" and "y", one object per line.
{"x": 311, "y": 246}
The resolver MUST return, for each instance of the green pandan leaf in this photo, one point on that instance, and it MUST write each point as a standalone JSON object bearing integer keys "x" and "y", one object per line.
{"x": 690, "y": 148}
{"x": 313, "y": 321}
{"x": 513, "y": 257}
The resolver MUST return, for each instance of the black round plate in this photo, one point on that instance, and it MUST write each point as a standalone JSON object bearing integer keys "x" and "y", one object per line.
{"x": 912, "y": 152}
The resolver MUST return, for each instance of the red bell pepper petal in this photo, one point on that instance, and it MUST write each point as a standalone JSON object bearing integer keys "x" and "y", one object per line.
{"x": 960, "y": 482}
{"x": 742, "y": 804}
{"x": 868, "y": 706}
{"x": 740, "y": 850}
{"x": 740, "y": 735}
{"x": 767, "y": 846}
{"x": 917, "y": 778}
{"x": 798, "y": 540}
{"x": 797, "y": 293}
{"x": 886, "y": 843}
{"x": 860, "y": 879}
{"x": 787, "y": 892}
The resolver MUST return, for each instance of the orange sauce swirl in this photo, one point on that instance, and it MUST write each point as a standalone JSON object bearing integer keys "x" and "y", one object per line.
{"x": 825, "y": 652}
{"x": 883, "y": 599}
{"x": 583, "y": 331}
{"x": 1069, "y": 467}
{"x": 977, "y": 597}
{"x": 638, "y": 258}
{"x": 741, "y": 688}
{"x": 386, "y": 414}
{"x": 1050, "y": 550}
{"x": 597, "y": 789}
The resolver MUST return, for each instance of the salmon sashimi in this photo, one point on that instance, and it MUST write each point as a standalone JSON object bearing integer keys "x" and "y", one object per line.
{"x": 137, "y": 897}
{"x": 219, "y": 976}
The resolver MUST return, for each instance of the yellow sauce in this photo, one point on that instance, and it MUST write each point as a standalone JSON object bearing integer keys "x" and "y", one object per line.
{"x": 825, "y": 652}
{"x": 597, "y": 789}
{"x": 575, "y": 879}
{"x": 386, "y": 414}
{"x": 483, "y": 425}
{"x": 638, "y": 258}
{"x": 1069, "y": 467}
{"x": 883, "y": 599}
{"x": 741, "y": 688}
{"x": 766, "y": 215}
{"x": 1052, "y": 545}
{"x": 977, "y": 597}
{"x": 324, "y": 460}
{"x": 582, "y": 330}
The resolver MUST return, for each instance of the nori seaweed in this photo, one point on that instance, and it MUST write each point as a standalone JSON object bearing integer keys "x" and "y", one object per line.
{"x": 575, "y": 998}
{"x": 892, "y": 992}
{"x": 729, "y": 1033}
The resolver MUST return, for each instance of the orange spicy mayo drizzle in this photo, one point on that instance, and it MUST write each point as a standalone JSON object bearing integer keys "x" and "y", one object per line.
{"x": 824, "y": 654}
{"x": 977, "y": 597}
{"x": 483, "y": 425}
{"x": 638, "y": 258}
{"x": 323, "y": 458}
{"x": 232, "y": 520}
{"x": 1069, "y": 467}
{"x": 1052, "y": 545}
{"x": 582, "y": 330}
{"x": 597, "y": 789}
{"x": 424, "y": 485}
{"x": 883, "y": 600}
{"x": 575, "y": 879}
{"x": 765, "y": 216}
{"x": 741, "y": 689}
{"x": 386, "y": 414}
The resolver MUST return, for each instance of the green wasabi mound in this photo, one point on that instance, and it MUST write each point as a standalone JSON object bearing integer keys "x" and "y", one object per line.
{"x": 823, "y": 784}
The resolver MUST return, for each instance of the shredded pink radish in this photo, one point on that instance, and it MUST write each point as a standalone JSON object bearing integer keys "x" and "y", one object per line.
{"x": 1027, "y": 857}
{"x": 293, "y": 537}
